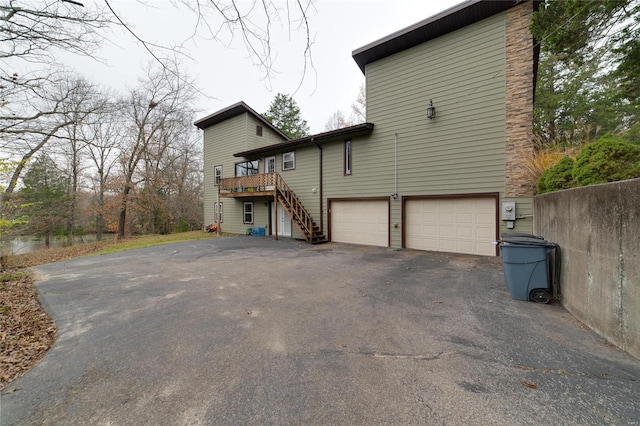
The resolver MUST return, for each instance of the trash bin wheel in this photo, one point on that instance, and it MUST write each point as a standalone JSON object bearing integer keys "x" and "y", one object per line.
{"x": 540, "y": 296}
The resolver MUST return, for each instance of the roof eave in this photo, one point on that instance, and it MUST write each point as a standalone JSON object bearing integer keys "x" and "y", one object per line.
{"x": 232, "y": 111}
{"x": 433, "y": 27}
{"x": 346, "y": 132}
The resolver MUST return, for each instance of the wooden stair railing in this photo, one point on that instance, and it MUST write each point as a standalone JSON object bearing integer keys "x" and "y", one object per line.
{"x": 298, "y": 214}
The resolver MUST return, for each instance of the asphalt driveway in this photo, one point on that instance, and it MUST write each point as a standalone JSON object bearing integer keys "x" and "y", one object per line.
{"x": 249, "y": 330}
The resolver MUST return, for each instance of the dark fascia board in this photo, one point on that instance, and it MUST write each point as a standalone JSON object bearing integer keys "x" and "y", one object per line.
{"x": 344, "y": 133}
{"x": 452, "y": 19}
{"x": 232, "y": 111}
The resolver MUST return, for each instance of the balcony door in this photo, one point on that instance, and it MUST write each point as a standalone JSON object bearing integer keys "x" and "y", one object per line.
{"x": 270, "y": 165}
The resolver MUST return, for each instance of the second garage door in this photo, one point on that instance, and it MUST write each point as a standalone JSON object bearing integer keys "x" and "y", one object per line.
{"x": 360, "y": 222}
{"x": 457, "y": 225}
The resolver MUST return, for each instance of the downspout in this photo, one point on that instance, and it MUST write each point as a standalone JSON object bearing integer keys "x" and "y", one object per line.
{"x": 218, "y": 212}
{"x": 395, "y": 166}
{"x": 320, "y": 190}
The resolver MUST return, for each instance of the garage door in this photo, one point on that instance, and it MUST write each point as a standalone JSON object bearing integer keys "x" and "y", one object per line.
{"x": 360, "y": 222}
{"x": 457, "y": 225}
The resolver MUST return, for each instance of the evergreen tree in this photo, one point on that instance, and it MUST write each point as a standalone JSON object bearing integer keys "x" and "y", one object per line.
{"x": 284, "y": 113}
{"x": 46, "y": 195}
{"x": 588, "y": 76}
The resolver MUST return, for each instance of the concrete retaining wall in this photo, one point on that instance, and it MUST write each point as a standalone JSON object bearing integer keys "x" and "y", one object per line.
{"x": 598, "y": 229}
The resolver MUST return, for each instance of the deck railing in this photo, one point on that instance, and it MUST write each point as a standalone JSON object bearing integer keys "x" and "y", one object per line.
{"x": 273, "y": 183}
{"x": 262, "y": 182}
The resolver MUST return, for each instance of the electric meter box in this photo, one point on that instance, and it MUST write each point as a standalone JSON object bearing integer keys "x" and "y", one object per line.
{"x": 508, "y": 210}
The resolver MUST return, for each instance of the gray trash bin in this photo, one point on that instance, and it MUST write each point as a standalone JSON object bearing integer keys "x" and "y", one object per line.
{"x": 525, "y": 261}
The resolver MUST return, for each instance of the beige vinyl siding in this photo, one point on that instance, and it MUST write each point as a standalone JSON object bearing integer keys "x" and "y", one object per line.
{"x": 302, "y": 180}
{"x": 463, "y": 149}
{"x": 337, "y": 185}
{"x": 524, "y": 210}
{"x": 269, "y": 137}
{"x": 221, "y": 141}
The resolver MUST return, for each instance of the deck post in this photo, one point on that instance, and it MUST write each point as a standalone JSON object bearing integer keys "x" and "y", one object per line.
{"x": 275, "y": 212}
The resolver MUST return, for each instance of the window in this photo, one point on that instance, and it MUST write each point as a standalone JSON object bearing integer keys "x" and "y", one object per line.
{"x": 217, "y": 212}
{"x": 270, "y": 165}
{"x": 247, "y": 168}
{"x": 347, "y": 158}
{"x": 258, "y": 130}
{"x": 248, "y": 212}
{"x": 217, "y": 173}
{"x": 289, "y": 160}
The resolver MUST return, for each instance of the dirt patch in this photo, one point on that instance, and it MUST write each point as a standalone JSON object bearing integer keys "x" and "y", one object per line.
{"x": 27, "y": 331}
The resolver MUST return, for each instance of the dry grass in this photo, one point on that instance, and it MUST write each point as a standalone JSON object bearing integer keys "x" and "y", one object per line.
{"x": 108, "y": 245}
{"x": 546, "y": 157}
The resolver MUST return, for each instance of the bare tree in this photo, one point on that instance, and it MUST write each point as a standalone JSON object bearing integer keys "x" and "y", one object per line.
{"x": 83, "y": 107}
{"x": 337, "y": 121}
{"x": 154, "y": 111}
{"x": 359, "y": 107}
{"x": 358, "y": 113}
{"x": 183, "y": 176}
{"x": 103, "y": 136}
{"x": 36, "y": 121}
{"x": 31, "y": 28}
{"x": 33, "y": 122}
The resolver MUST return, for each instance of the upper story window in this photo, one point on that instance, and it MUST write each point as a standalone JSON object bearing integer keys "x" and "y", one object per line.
{"x": 258, "y": 130}
{"x": 289, "y": 160}
{"x": 217, "y": 174}
{"x": 347, "y": 158}
{"x": 247, "y": 168}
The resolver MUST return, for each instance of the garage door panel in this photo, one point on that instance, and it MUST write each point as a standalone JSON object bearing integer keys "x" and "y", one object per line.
{"x": 360, "y": 222}
{"x": 446, "y": 231}
{"x": 464, "y": 225}
{"x": 465, "y": 232}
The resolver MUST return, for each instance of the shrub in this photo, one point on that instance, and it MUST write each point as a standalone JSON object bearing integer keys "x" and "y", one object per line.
{"x": 609, "y": 159}
{"x": 557, "y": 177}
{"x": 546, "y": 157}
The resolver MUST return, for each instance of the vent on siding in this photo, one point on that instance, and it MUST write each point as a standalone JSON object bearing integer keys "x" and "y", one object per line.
{"x": 258, "y": 130}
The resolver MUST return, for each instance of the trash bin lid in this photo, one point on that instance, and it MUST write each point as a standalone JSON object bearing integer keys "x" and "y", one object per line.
{"x": 520, "y": 234}
{"x": 526, "y": 240}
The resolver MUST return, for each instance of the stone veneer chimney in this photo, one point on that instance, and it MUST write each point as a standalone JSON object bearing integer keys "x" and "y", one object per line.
{"x": 519, "y": 99}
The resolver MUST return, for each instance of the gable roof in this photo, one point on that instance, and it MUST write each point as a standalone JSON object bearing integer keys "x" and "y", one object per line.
{"x": 232, "y": 111}
{"x": 344, "y": 133}
{"x": 452, "y": 19}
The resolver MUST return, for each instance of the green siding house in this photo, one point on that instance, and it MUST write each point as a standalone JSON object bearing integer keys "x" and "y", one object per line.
{"x": 437, "y": 165}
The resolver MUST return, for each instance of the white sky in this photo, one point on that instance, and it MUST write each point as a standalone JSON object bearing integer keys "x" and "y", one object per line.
{"x": 227, "y": 75}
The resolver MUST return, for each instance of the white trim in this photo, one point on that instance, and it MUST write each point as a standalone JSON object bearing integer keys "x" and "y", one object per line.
{"x": 216, "y": 178}
{"x": 292, "y": 160}
{"x": 245, "y": 212}
{"x": 266, "y": 164}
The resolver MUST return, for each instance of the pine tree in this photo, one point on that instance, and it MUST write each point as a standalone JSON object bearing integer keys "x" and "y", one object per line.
{"x": 284, "y": 113}
{"x": 45, "y": 192}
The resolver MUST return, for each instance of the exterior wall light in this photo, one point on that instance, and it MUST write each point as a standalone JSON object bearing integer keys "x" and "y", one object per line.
{"x": 431, "y": 110}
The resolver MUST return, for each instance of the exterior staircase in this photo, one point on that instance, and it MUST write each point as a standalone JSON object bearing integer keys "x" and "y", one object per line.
{"x": 298, "y": 214}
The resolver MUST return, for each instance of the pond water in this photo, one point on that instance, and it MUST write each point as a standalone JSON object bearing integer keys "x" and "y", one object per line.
{"x": 28, "y": 243}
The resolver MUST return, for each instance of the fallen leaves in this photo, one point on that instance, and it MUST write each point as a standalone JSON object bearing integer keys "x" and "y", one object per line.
{"x": 27, "y": 331}
{"x": 529, "y": 385}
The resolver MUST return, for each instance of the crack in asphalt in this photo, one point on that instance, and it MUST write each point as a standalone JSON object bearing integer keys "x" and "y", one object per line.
{"x": 376, "y": 354}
